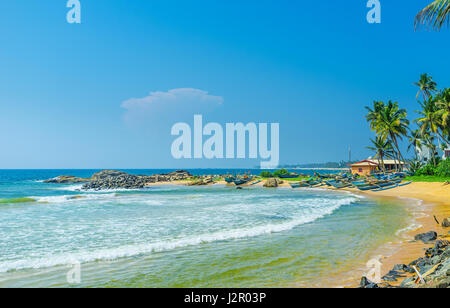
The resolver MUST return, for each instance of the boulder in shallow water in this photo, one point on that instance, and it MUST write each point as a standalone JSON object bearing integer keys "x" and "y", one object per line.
{"x": 428, "y": 237}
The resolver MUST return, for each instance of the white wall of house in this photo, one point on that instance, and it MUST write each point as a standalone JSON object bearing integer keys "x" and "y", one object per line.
{"x": 423, "y": 153}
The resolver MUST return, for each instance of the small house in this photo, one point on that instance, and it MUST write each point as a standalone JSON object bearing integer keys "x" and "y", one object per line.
{"x": 365, "y": 167}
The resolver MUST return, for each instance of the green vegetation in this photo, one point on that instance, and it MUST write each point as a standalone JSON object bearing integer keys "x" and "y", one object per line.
{"x": 390, "y": 125}
{"x": 443, "y": 168}
{"x": 382, "y": 148}
{"x": 280, "y": 172}
{"x": 432, "y": 133}
{"x": 16, "y": 200}
{"x": 428, "y": 178}
{"x": 434, "y": 16}
{"x": 297, "y": 179}
{"x": 266, "y": 174}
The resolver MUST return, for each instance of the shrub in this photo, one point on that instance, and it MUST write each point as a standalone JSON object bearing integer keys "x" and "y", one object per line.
{"x": 415, "y": 166}
{"x": 280, "y": 172}
{"x": 427, "y": 170}
{"x": 266, "y": 174}
{"x": 443, "y": 168}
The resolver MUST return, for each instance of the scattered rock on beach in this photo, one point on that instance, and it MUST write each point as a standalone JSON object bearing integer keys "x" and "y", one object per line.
{"x": 446, "y": 223}
{"x": 272, "y": 182}
{"x": 403, "y": 268}
{"x": 428, "y": 237}
{"x": 367, "y": 284}
{"x": 434, "y": 267}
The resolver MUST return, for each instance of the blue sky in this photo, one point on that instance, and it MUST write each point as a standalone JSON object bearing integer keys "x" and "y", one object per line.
{"x": 311, "y": 66}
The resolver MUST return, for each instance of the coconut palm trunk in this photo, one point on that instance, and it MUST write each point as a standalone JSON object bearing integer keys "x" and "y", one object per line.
{"x": 399, "y": 153}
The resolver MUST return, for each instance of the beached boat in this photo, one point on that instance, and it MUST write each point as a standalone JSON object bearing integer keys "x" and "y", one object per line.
{"x": 288, "y": 176}
{"x": 391, "y": 187}
{"x": 342, "y": 185}
{"x": 230, "y": 180}
{"x": 314, "y": 182}
{"x": 242, "y": 181}
{"x": 254, "y": 183}
{"x": 295, "y": 185}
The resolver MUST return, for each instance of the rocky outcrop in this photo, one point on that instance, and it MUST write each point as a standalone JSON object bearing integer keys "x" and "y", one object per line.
{"x": 272, "y": 182}
{"x": 114, "y": 179}
{"x": 67, "y": 179}
{"x": 434, "y": 268}
{"x": 104, "y": 174}
{"x": 446, "y": 223}
{"x": 428, "y": 237}
{"x": 122, "y": 181}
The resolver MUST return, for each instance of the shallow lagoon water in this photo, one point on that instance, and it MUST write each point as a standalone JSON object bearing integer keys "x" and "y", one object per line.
{"x": 176, "y": 236}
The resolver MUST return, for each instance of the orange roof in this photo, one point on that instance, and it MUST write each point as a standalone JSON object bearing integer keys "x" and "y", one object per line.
{"x": 364, "y": 163}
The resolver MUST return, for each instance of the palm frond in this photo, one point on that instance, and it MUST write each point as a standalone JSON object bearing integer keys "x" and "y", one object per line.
{"x": 434, "y": 16}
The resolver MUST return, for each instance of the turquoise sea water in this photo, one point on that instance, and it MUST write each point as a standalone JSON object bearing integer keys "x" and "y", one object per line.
{"x": 176, "y": 236}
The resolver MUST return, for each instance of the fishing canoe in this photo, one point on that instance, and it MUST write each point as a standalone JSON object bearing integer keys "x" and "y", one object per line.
{"x": 259, "y": 181}
{"x": 391, "y": 187}
{"x": 288, "y": 176}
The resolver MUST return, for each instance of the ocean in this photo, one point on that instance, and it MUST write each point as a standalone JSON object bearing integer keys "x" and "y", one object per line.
{"x": 178, "y": 236}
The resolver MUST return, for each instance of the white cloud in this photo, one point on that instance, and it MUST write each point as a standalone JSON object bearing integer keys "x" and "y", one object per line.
{"x": 173, "y": 103}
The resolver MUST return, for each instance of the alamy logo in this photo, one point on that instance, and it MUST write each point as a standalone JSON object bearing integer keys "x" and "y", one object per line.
{"x": 235, "y": 134}
{"x": 374, "y": 266}
{"x": 74, "y": 14}
{"x": 374, "y": 15}
{"x": 74, "y": 274}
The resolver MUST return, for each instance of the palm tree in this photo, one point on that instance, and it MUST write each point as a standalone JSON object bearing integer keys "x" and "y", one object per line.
{"x": 435, "y": 15}
{"x": 426, "y": 86}
{"x": 394, "y": 125}
{"x": 390, "y": 123}
{"x": 415, "y": 141}
{"x": 382, "y": 148}
{"x": 443, "y": 112}
{"x": 374, "y": 114}
{"x": 429, "y": 143}
{"x": 429, "y": 121}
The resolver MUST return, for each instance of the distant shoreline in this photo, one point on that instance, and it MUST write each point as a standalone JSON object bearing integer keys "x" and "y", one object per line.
{"x": 319, "y": 169}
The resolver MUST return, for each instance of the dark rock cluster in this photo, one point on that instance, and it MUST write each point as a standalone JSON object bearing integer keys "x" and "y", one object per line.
{"x": 428, "y": 237}
{"x": 127, "y": 181}
{"x": 113, "y": 179}
{"x": 434, "y": 268}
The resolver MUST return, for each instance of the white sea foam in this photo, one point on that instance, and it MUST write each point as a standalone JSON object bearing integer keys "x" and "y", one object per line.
{"x": 316, "y": 212}
{"x": 70, "y": 188}
{"x": 71, "y": 198}
{"x": 411, "y": 227}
